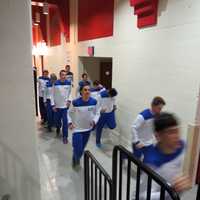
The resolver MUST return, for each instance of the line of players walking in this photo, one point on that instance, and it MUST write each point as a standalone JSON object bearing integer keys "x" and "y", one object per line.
{"x": 93, "y": 109}
{"x": 155, "y": 135}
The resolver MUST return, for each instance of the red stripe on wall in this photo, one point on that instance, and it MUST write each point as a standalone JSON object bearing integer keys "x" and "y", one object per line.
{"x": 95, "y": 19}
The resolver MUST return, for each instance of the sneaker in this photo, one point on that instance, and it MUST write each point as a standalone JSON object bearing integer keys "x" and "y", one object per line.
{"x": 75, "y": 163}
{"x": 65, "y": 140}
{"x": 99, "y": 145}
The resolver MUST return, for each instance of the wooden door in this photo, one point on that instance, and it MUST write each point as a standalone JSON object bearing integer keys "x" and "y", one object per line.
{"x": 106, "y": 74}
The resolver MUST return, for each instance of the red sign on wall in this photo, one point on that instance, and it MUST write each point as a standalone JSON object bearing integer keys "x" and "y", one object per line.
{"x": 91, "y": 51}
{"x": 146, "y": 11}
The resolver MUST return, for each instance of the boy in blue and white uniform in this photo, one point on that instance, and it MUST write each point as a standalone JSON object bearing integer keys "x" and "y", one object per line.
{"x": 42, "y": 80}
{"x": 82, "y": 82}
{"x": 96, "y": 89}
{"x": 47, "y": 100}
{"x": 165, "y": 157}
{"x": 70, "y": 75}
{"x": 83, "y": 116}
{"x": 60, "y": 101}
{"x": 142, "y": 128}
{"x": 108, "y": 107}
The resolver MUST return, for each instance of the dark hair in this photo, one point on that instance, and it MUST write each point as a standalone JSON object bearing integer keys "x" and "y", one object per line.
{"x": 61, "y": 71}
{"x": 45, "y": 71}
{"x": 67, "y": 66}
{"x": 84, "y": 74}
{"x": 164, "y": 121}
{"x": 112, "y": 92}
{"x": 96, "y": 82}
{"x": 158, "y": 101}
{"x": 86, "y": 83}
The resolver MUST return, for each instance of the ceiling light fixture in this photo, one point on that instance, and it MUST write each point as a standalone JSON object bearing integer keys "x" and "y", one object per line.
{"x": 45, "y": 8}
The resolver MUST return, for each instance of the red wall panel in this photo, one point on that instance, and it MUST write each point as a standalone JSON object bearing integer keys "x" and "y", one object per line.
{"x": 55, "y": 28}
{"x": 146, "y": 11}
{"x": 95, "y": 19}
{"x": 65, "y": 18}
{"x": 36, "y": 34}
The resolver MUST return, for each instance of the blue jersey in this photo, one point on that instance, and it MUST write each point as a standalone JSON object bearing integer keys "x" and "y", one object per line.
{"x": 41, "y": 85}
{"x": 106, "y": 102}
{"x": 82, "y": 114}
{"x": 61, "y": 94}
{"x": 169, "y": 166}
{"x": 142, "y": 128}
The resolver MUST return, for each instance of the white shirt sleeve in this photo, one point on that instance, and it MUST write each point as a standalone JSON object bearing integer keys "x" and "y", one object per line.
{"x": 69, "y": 113}
{"x": 139, "y": 121}
{"x": 45, "y": 94}
{"x": 99, "y": 100}
{"x": 52, "y": 96}
{"x": 97, "y": 113}
{"x": 70, "y": 95}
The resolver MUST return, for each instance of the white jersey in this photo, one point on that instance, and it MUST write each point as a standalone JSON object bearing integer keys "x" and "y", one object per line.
{"x": 70, "y": 77}
{"x": 142, "y": 128}
{"x": 95, "y": 93}
{"x": 106, "y": 102}
{"x": 61, "y": 94}
{"x": 42, "y": 81}
{"x": 48, "y": 92}
{"x": 168, "y": 166}
{"x": 82, "y": 114}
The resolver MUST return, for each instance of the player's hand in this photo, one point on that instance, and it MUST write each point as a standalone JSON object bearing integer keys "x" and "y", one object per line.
{"x": 54, "y": 109}
{"x": 71, "y": 126}
{"x": 182, "y": 183}
{"x": 103, "y": 110}
{"x": 139, "y": 146}
{"x": 92, "y": 124}
{"x": 68, "y": 104}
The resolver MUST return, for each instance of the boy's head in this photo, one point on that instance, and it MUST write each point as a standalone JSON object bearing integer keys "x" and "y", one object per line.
{"x": 67, "y": 68}
{"x": 63, "y": 74}
{"x": 112, "y": 92}
{"x": 53, "y": 77}
{"x": 46, "y": 73}
{"x": 96, "y": 83}
{"x": 85, "y": 90}
{"x": 84, "y": 76}
{"x": 157, "y": 104}
{"x": 166, "y": 128}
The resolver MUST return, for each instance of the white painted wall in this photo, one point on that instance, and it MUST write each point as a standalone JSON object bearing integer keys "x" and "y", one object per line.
{"x": 57, "y": 57}
{"x": 18, "y": 155}
{"x": 91, "y": 67}
{"x": 161, "y": 60}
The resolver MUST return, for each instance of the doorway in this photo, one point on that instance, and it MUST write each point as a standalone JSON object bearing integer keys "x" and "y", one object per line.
{"x": 97, "y": 68}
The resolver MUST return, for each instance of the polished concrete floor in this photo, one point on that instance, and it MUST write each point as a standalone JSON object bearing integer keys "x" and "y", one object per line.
{"x": 58, "y": 180}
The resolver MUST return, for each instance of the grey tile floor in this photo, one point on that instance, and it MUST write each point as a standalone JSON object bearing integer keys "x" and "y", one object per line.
{"x": 58, "y": 180}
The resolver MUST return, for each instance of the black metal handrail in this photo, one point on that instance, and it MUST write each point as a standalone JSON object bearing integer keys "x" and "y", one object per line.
{"x": 95, "y": 177}
{"x": 198, "y": 192}
{"x": 120, "y": 152}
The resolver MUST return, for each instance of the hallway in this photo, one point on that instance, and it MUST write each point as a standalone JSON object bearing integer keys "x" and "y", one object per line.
{"x": 58, "y": 179}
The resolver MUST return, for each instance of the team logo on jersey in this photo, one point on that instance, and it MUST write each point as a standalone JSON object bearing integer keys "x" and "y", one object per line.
{"x": 90, "y": 109}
